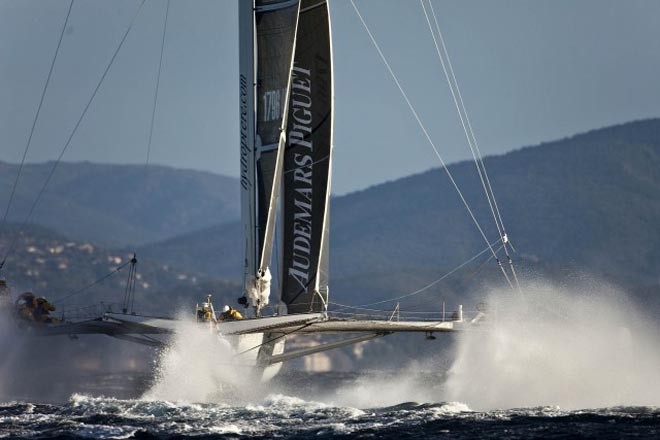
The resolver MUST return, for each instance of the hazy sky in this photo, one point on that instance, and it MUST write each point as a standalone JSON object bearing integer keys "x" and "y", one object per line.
{"x": 530, "y": 71}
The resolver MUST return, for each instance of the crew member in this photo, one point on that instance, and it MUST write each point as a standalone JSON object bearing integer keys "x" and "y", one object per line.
{"x": 42, "y": 311}
{"x": 36, "y": 310}
{"x": 204, "y": 313}
{"x": 229, "y": 314}
{"x": 25, "y": 306}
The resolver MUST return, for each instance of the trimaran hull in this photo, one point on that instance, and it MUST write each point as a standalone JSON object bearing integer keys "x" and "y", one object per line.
{"x": 286, "y": 122}
{"x": 256, "y": 344}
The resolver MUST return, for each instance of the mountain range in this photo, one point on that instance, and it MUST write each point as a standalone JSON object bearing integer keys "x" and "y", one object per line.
{"x": 588, "y": 204}
{"x": 117, "y": 205}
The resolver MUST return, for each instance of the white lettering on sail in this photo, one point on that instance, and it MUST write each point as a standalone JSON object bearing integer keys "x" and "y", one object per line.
{"x": 300, "y": 128}
{"x": 272, "y": 106}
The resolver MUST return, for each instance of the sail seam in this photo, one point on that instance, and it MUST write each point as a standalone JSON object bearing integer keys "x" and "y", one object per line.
{"x": 314, "y": 6}
{"x": 276, "y": 7}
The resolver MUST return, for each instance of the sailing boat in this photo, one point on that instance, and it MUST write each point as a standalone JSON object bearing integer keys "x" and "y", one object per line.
{"x": 286, "y": 134}
{"x": 286, "y": 94}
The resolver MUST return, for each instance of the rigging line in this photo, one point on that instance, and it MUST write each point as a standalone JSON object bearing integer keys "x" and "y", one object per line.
{"x": 428, "y": 137}
{"x": 471, "y": 138}
{"x": 278, "y": 231}
{"x": 404, "y": 315}
{"x": 387, "y": 311}
{"x": 460, "y": 113}
{"x": 437, "y": 153}
{"x": 481, "y": 266}
{"x": 129, "y": 294}
{"x": 134, "y": 280}
{"x": 100, "y": 280}
{"x": 490, "y": 257}
{"x": 428, "y": 286}
{"x": 515, "y": 275}
{"x": 474, "y": 139}
{"x": 127, "y": 288}
{"x": 160, "y": 66}
{"x": 36, "y": 117}
{"x": 75, "y": 129}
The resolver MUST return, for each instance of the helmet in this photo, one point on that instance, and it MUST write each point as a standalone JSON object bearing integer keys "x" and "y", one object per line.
{"x": 226, "y": 308}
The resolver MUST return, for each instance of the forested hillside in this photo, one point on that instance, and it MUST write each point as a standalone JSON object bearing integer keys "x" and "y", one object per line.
{"x": 119, "y": 205}
{"x": 589, "y": 204}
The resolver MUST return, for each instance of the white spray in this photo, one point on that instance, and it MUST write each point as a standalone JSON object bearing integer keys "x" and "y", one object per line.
{"x": 195, "y": 367}
{"x": 582, "y": 347}
{"x": 579, "y": 347}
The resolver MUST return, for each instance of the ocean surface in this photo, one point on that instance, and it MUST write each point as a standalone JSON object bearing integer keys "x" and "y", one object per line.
{"x": 560, "y": 364}
{"x": 279, "y": 415}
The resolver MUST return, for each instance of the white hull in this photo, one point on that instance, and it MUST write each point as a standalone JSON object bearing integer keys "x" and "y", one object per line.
{"x": 253, "y": 351}
{"x": 258, "y": 344}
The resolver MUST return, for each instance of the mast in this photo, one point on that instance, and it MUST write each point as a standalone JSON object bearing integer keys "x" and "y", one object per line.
{"x": 247, "y": 82}
{"x": 267, "y": 38}
{"x": 307, "y": 164}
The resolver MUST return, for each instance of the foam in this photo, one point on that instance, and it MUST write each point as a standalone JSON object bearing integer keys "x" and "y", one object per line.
{"x": 575, "y": 347}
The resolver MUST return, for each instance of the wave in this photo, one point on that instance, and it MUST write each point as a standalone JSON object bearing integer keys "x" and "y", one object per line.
{"x": 288, "y": 416}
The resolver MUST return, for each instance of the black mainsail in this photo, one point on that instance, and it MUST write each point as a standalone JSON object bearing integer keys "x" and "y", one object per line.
{"x": 286, "y": 143}
{"x": 307, "y": 165}
{"x": 267, "y": 41}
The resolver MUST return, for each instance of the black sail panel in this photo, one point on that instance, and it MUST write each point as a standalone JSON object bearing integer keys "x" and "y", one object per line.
{"x": 307, "y": 163}
{"x": 275, "y": 22}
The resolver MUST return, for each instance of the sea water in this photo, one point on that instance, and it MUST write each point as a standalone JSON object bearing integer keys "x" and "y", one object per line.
{"x": 550, "y": 362}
